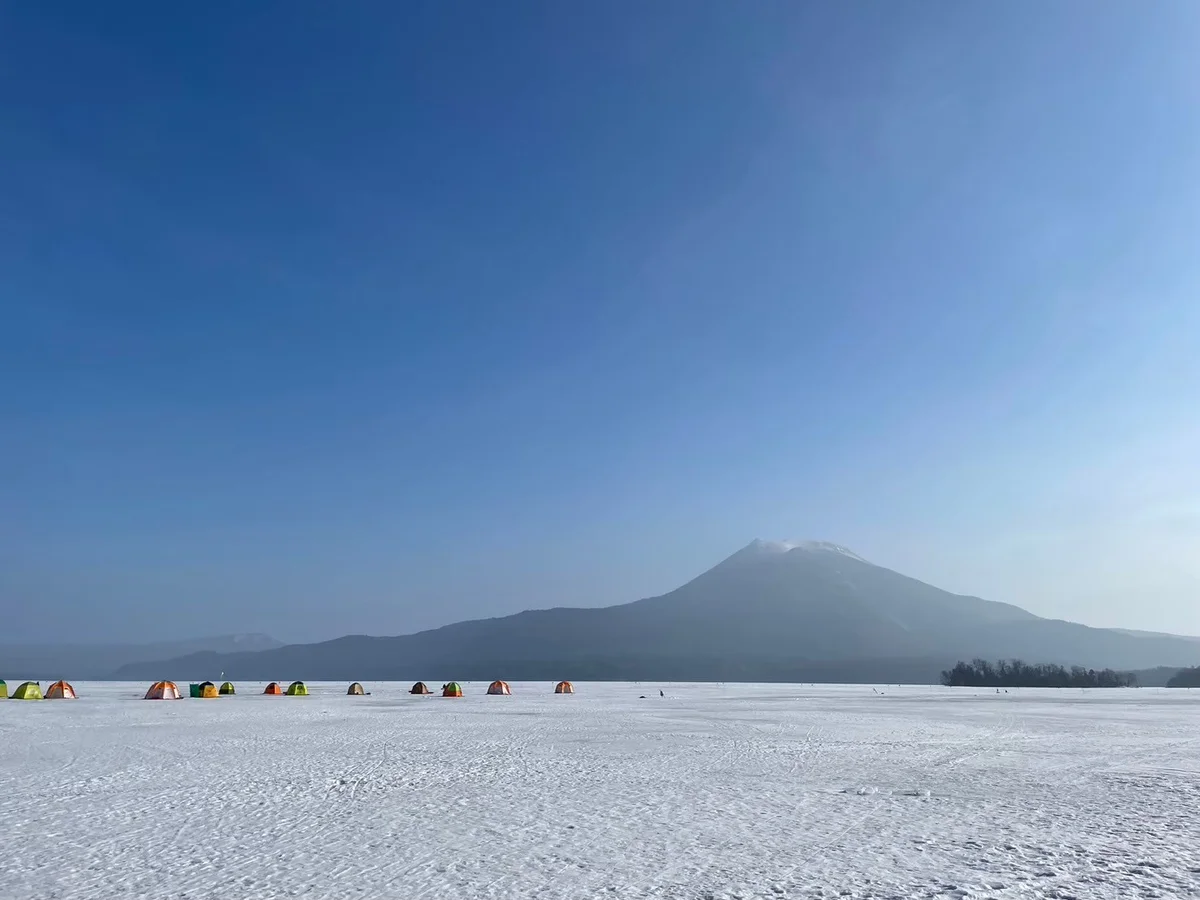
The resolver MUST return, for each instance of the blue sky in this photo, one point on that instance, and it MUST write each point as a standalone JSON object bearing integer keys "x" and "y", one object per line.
{"x": 366, "y": 318}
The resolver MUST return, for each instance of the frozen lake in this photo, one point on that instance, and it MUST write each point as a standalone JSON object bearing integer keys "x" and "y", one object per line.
{"x": 775, "y": 791}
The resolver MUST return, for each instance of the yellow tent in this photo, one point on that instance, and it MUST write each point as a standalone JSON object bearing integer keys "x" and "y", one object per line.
{"x": 28, "y": 691}
{"x": 226, "y": 689}
{"x": 297, "y": 689}
{"x": 208, "y": 690}
{"x": 3, "y": 690}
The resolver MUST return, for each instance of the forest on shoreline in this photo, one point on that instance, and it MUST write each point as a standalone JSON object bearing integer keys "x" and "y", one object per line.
{"x": 1008, "y": 673}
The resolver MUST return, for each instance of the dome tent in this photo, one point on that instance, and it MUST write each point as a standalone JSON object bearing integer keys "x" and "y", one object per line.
{"x": 3, "y": 689}
{"x": 274, "y": 689}
{"x": 30, "y": 690}
{"x": 355, "y": 690}
{"x": 499, "y": 688}
{"x": 60, "y": 690}
{"x": 163, "y": 690}
{"x": 453, "y": 689}
{"x": 207, "y": 691}
{"x": 420, "y": 688}
{"x": 297, "y": 689}
{"x": 564, "y": 687}
{"x": 227, "y": 689}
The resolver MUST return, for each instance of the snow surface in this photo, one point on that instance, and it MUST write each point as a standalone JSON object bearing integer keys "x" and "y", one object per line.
{"x": 715, "y": 791}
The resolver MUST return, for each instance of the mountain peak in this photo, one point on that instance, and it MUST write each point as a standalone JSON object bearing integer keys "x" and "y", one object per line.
{"x": 759, "y": 547}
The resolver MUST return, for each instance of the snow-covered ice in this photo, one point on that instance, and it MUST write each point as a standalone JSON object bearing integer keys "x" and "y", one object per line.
{"x": 715, "y": 791}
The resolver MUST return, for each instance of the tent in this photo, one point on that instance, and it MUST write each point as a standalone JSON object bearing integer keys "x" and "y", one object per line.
{"x": 60, "y": 690}
{"x": 453, "y": 689}
{"x": 3, "y": 689}
{"x": 419, "y": 688}
{"x": 163, "y": 690}
{"x": 564, "y": 687}
{"x": 274, "y": 688}
{"x": 208, "y": 690}
{"x": 355, "y": 689}
{"x": 499, "y": 687}
{"x": 28, "y": 691}
{"x": 227, "y": 689}
{"x": 297, "y": 689}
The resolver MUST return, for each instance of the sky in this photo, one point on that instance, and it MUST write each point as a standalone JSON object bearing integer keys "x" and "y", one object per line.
{"x": 365, "y": 318}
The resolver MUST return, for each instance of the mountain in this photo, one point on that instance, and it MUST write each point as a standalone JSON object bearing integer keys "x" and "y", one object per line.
{"x": 85, "y": 662}
{"x": 1185, "y": 678}
{"x": 1135, "y": 633}
{"x": 775, "y": 610}
{"x": 1160, "y": 676}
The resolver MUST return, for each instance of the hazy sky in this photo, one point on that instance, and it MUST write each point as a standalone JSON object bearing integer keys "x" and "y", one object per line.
{"x": 322, "y": 318}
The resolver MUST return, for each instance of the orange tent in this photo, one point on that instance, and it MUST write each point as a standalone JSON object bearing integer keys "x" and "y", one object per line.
{"x": 274, "y": 688}
{"x": 163, "y": 690}
{"x": 499, "y": 687}
{"x": 60, "y": 690}
{"x": 419, "y": 688}
{"x": 564, "y": 687}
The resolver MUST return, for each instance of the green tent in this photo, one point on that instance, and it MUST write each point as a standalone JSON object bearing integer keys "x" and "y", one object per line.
{"x": 28, "y": 691}
{"x": 3, "y": 690}
{"x": 193, "y": 690}
{"x": 227, "y": 688}
{"x": 297, "y": 689}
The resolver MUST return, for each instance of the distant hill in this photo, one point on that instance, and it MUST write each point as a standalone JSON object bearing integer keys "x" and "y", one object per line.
{"x": 1136, "y": 633}
{"x": 1186, "y": 678}
{"x": 774, "y": 611}
{"x": 85, "y": 662}
{"x": 1160, "y": 676}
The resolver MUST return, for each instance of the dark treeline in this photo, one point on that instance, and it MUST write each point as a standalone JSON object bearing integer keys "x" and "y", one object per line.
{"x": 1187, "y": 678}
{"x": 1014, "y": 673}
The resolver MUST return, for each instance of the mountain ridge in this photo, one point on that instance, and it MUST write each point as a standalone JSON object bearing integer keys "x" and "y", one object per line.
{"x": 87, "y": 662}
{"x": 771, "y": 608}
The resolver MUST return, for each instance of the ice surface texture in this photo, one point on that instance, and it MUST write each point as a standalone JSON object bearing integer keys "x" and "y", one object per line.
{"x": 713, "y": 791}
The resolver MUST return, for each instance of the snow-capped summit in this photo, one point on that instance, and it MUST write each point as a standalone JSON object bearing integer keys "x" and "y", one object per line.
{"x": 759, "y": 546}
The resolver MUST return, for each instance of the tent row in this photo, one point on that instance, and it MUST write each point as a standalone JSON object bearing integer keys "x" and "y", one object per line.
{"x": 166, "y": 690}
{"x": 295, "y": 689}
{"x": 32, "y": 690}
{"x": 169, "y": 690}
{"x": 496, "y": 689}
